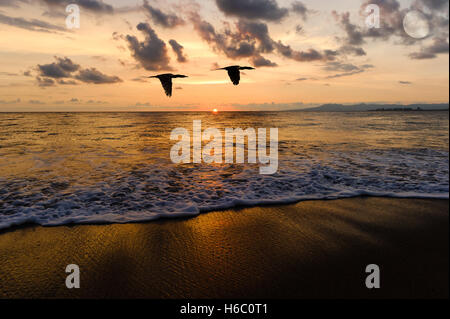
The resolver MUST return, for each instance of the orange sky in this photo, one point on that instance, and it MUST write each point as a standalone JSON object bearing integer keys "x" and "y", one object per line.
{"x": 391, "y": 76}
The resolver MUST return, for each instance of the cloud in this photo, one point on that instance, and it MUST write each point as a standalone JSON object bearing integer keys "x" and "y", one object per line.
{"x": 96, "y": 6}
{"x": 152, "y": 52}
{"x": 392, "y": 15}
{"x": 12, "y": 3}
{"x": 96, "y": 102}
{"x": 352, "y": 50}
{"x": 45, "y": 82}
{"x": 339, "y": 66}
{"x": 94, "y": 76}
{"x": 31, "y": 25}
{"x": 228, "y": 43}
{"x": 305, "y": 56}
{"x": 251, "y": 40}
{"x": 405, "y": 82}
{"x": 36, "y": 102}
{"x": 178, "y": 49}
{"x": 163, "y": 19}
{"x": 434, "y": 4}
{"x": 260, "y": 61}
{"x": 346, "y": 69}
{"x": 300, "y": 8}
{"x": 61, "y": 69}
{"x": 439, "y": 46}
{"x": 67, "y": 82}
{"x": 142, "y": 79}
{"x": 64, "y": 71}
{"x": 253, "y": 9}
{"x": 10, "y": 102}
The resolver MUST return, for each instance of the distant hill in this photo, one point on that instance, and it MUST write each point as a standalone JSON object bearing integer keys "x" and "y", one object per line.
{"x": 376, "y": 107}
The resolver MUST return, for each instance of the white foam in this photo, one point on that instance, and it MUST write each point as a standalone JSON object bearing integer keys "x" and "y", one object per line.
{"x": 170, "y": 191}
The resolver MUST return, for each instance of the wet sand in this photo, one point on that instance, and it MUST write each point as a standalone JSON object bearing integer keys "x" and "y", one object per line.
{"x": 315, "y": 249}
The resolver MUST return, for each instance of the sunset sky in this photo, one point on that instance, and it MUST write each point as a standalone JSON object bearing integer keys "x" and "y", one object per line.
{"x": 305, "y": 52}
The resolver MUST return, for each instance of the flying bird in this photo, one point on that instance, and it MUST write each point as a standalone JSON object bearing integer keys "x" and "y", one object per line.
{"x": 235, "y": 72}
{"x": 166, "y": 81}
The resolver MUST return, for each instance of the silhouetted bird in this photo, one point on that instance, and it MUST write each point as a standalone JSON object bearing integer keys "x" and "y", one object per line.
{"x": 166, "y": 81}
{"x": 234, "y": 72}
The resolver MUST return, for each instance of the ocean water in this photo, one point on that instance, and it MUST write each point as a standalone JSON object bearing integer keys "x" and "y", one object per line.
{"x": 60, "y": 168}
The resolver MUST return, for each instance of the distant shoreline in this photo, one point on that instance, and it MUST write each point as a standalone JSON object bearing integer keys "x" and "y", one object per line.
{"x": 432, "y": 107}
{"x": 377, "y": 110}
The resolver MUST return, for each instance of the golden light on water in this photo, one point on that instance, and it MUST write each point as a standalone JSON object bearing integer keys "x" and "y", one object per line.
{"x": 215, "y": 111}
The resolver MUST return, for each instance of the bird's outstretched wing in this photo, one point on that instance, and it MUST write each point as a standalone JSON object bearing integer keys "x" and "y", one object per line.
{"x": 246, "y": 68}
{"x": 179, "y": 76}
{"x": 167, "y": 85}
{"x": 235, "y": 75}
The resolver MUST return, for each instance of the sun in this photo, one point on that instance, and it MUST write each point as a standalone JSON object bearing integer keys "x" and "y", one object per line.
{"x": 215, "y": 111}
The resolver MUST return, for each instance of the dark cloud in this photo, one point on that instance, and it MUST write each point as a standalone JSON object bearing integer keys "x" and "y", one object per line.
{"x": 12, "y": 3}
{"x": 353, "y": 32}
{"x": 304, "y": 56}
{"x": 260, "y": 61}
{"x": 300, "y": 8}
{"x": 64, "y": 72}
{"x": 251, "y": 40}
{"x": 405, "y": 82}
{"x": 233, "y": 45}
{"x": 179, "y": 51}
{"x": 32, "y": 25}
{"x": 299, "y": 29}
{"x": 253, "y": 9}
{"x": 435, "y": 4}
{"x": 152, "y": 52}
{"x": 258, "y": 31}
{"x": 392, "y": 15}
{"x": 67, "y": 82}
{"x": 94, "y": 76}
{"x": 163, "y": 19}
{"x": 352, "y": 50}
{"x": 345, "y": 69}
{"x": 62, "y": 68}
{"x": 97, "y": 6}
{"x": 340, "y": 67}
{"x": 439, "y": 46}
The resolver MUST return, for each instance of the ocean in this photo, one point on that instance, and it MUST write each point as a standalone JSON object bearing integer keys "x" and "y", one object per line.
{"x": 74, "y": 168}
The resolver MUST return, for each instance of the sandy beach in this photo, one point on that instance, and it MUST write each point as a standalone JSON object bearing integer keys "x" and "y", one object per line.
{"x": 313, "y": 249}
